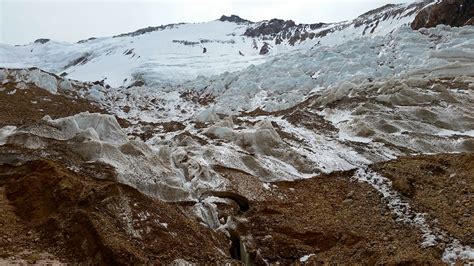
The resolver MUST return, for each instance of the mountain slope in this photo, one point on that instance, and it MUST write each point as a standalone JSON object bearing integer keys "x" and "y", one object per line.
{"x": 173, "y": 53}
{"x": 346, "y": 142}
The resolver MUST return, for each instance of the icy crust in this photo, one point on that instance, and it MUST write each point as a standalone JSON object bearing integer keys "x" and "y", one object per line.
{"x": 99, "y": 138}
{"x": 285, "y": 80}
{"x": 261, "y": 150}
{"x": 96, "y": 127}
{"x": 148, "y": 104}
{"x": 431, "y": 236}
{"x": 374, "y": 121}
{"x": 257, "y": 150}
{"x": 24, "y": 77}
{"x": 326, "y": 153}
{"x": 41, "y": 79}
{"x": 412, "y": 115}
{"x": 5, "y": 132}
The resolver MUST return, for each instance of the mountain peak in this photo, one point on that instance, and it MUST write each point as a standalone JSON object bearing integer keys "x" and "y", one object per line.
{"x": 234, "y": 18}
{"x": 42, "y": 40}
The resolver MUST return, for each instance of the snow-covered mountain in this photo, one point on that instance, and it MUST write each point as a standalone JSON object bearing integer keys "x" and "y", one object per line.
{"x": 174, "y": 53}
{"x": 366, "y": 123}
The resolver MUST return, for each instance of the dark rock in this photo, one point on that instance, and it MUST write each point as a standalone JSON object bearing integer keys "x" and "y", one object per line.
{"x": 316, "y": 26}
{"x": 42, "y": 41}
{"x": 280, "y": 30}
{"x": 271, "y": 27}
{"x": 187, "y": 43}
{"x": 128, "y": 52}
{"x": 80, "y": 60}
{"x": 254, "y": 44}
{"x": 99, "y": 82}
{"x": 235, "y": 19}
{"x": 136, "y": 83}
{"x": 278, "y": 40}
{"x": 386, "y": 12}
{"x": 147, "y": 30}
{"x": 265, "y": 49}
{"x": 455, "y": 13}
{"x": 84, "y": 41}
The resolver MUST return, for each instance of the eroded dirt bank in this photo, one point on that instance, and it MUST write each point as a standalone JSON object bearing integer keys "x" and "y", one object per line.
{"x": 48, "y": 209}
{"x": 336, "y": 220}
{"x": 52, "y": 213}
{"x": 21, "y": 107}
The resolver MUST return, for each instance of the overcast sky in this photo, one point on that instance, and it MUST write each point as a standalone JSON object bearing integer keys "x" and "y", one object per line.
{"x": 23, "y": 21}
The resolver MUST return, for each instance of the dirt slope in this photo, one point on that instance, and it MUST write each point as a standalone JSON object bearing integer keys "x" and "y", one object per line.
{"x": 50, "y": 209}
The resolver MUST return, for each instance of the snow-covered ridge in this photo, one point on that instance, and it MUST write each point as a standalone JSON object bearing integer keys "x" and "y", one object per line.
{"x": 373, "y": 22}
{"x": 175, "y": 53}
{"x": 156, "y": 57}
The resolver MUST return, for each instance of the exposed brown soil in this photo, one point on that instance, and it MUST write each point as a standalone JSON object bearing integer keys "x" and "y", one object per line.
{"x": 150, "y": 129}
{"x": 342, "y": 221}
{"x": 298, "y": 115}
{"x": 51, "y": 213}
{"x": 12, "y": 244}
{"x": 243, "y": 183}
{"x": 337, "y": 220}
{"x": 186, "y": 134}
{"x": 442, "y": 186}
{"x": 301, "y": 117}
{"x": 29, "y": 105}
{"x": 47, "y": 208}
{"x": 203, "y": 100}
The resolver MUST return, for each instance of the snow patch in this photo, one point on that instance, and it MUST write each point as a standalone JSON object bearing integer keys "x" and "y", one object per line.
{"x": 305, "y": 258}
{"x": 456, "y": 252}
{"x": 5, "y": 132}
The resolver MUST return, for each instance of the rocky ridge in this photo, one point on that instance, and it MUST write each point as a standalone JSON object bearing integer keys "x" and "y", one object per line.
{"x": 456, "y": 13}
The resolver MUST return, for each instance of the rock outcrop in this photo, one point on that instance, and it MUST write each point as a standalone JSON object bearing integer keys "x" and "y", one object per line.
{"x": 456, "y": 13}
{"x": 78, "y": 218}
{"x": 265, "y": 49}
{"x": 235, "y": 19}
{"x": 271, "y": 27}
{"x": 42, "y": 41}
